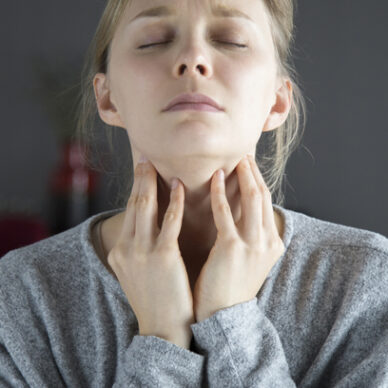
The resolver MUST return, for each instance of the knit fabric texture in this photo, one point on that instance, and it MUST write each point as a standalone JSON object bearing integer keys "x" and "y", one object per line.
{"x": 319, "y": 320}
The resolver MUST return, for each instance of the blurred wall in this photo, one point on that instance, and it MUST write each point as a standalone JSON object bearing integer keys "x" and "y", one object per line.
{"x": 337, "y": 174}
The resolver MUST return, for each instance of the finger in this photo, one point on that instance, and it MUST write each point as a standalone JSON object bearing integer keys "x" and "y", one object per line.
{"x": 222, "y": 214}
{"x": 128, "y": 227}
{"x": 146, "y": 205}
{"x": 251, "y": 201}
{"x": 172, "y": 220}
{"x": 268, "y": 215}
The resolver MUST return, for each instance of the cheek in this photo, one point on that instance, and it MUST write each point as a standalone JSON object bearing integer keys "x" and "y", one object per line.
{"x": 135, "y": 84}
{"x": 252, "y": 85}
{"x": 248, "y": 76}
{"x": 142, "y": 71}
{"x": 146, "y": 75}
{"x": 251, "y": 88}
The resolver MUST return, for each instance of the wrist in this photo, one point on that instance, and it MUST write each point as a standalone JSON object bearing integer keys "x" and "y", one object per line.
{"x": 181, "y": 339}
{"x": 182, "y": 342}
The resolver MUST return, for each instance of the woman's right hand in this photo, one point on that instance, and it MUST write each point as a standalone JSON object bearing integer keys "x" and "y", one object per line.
{"x": 148, "y": 263}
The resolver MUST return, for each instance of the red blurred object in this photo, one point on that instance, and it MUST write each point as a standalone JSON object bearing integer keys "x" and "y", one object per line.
{"x": 17, "y": 231}
{"x": 73, "y": 189}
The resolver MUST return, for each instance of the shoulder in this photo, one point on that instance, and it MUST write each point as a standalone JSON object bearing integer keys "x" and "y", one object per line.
{"x": 38, "y": 269}
{"x": 325, "y": 251}
{"x": 55, "y": 255}
{"x": 314, "y": 233}
{"x": 336, "y": 269}
{"x": 45, "y": 252}
{"x": 49, "y": 277}
{"x": 52, "y": 265}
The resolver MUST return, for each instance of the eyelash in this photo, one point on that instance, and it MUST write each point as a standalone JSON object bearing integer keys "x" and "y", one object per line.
{"x": 159, "y": 43}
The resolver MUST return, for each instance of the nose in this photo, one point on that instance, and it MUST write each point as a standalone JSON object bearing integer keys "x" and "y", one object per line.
{"x": 192, "y": 62}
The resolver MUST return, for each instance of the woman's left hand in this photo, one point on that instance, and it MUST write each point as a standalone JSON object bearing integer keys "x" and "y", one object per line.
{"x": 245, "y": 251}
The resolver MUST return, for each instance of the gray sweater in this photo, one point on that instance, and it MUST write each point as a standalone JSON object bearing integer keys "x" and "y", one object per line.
{"x": 320, "y": 319}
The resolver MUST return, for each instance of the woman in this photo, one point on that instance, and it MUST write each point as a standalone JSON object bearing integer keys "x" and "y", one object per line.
{"x": 204, "y": 282}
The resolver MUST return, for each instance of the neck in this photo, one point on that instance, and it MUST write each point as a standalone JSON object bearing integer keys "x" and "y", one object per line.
{"x": 198, "y": 222}
{"x": 198, "y": 231}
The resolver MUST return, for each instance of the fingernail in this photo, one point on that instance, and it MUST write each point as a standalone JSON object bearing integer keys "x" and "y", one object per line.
{"x": 143, "y": 159}
{"x": 221, "y": 175}
{"x": 174, "y": 184}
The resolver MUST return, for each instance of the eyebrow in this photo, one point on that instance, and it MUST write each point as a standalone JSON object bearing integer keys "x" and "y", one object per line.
{"x": 219, "y": 11}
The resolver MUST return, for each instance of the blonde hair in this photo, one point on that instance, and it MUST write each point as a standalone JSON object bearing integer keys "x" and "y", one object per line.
{"x": 276, "y": 146}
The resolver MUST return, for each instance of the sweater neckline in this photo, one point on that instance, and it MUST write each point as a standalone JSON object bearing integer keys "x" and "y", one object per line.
{"x": 91, "y": 248}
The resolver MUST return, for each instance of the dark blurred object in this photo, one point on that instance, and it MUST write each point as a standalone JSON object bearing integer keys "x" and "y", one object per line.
{"x": 19, "y": 230}
{"x": 72, "y": 185}
{"x": 59, "y": 91}
{"x": 73, "y": 189}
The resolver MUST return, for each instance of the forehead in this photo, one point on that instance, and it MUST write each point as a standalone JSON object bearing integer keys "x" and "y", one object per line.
{"x": 248, "y": 11}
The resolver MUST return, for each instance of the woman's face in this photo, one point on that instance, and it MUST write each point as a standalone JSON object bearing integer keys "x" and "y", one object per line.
{"x": 196, "y": 51}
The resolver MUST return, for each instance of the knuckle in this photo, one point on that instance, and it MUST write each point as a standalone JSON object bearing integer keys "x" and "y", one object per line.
{"x": 218, "y": 190}
{"x": 266, "y": 193}
{"x": 223, "y": 207}
{"x": 253, "y": 192}
{"x": 120, "y": 250}
{"x": 138, "y": 171}
{"x": 231, "y": 242}
{"x": 131, "y": 201}
{"x": 165, "y": 249}
{"x": 148, "y": 171}
{"x": 143, "y": 201}
{"x": 111, "y": 261}
{"x": 263, "y": 189}
{"x": 260, "y": 247}
{"x": 116, "y": 255}
{"x": 170, "y": 215}
{"x": 245, "y": 165}
{"x": 139, "y": 247}
{"x": 111, "y": 257}
{"x": 274, "y": 244}
{"x": 278, "y": 245}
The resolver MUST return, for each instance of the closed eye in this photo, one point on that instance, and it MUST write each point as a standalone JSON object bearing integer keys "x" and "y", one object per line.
{"x": 151, "y": 44}
{"x": 160, "y": 43}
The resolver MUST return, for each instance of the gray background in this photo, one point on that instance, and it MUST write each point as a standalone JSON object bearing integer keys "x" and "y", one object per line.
{"x": 339, "y": 172}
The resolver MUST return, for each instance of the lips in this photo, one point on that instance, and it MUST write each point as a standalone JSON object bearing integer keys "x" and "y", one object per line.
{"x": 193, "y": 98}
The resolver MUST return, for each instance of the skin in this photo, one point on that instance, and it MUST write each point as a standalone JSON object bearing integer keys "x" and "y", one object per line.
{"x": 192, "y": 145}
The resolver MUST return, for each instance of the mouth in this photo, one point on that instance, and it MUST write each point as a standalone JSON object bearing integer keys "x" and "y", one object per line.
{"x": 201, "y": 107}
{"x": 193, "y": 101}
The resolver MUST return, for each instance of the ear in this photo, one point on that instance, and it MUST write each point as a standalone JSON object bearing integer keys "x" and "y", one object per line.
{"x": 106, "y": 107}
{"x": 281, "y": 107}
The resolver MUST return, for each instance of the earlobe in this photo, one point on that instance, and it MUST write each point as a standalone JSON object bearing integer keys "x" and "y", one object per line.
{"x": 281, "y": 108}
{"x": 106, "y": 108}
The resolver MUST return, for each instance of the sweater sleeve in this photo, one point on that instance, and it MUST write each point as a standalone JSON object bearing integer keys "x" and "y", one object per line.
{"x": 149, "y": 361}
{"x": 22, "y": 365}
{"x": 9, "y": 373}
{"x": 154, "y": 362}
{"x": 243, "y": 348}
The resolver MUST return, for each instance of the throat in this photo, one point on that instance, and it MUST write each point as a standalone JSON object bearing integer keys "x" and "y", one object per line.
{"x": 194, "y": 254}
